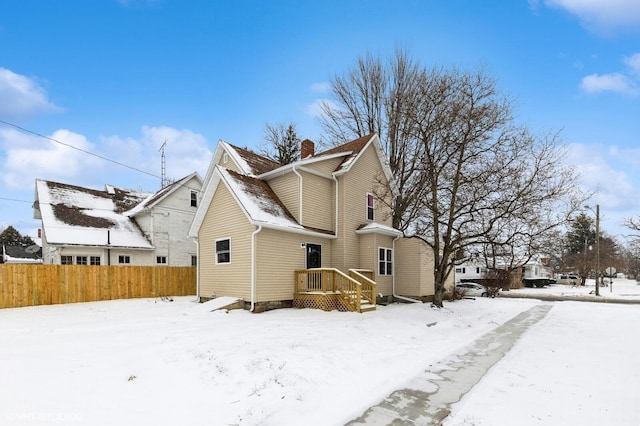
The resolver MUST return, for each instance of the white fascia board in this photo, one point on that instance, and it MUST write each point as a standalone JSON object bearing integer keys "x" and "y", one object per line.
{"x": 205, "y": 202}
{"x": 297, "y": 164}
{"x": 376, "y": 228}
{"x": 301, "y": 231}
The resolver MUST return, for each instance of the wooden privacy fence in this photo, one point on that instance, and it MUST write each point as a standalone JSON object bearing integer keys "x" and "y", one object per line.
{"x": 31, "y": 285}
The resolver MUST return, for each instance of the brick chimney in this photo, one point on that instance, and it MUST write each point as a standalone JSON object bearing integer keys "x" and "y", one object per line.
{"x": 307, "y": 149}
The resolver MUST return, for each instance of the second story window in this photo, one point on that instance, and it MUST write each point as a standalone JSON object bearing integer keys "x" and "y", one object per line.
{"x": 369, "y": 206}
{"x": 194, "y": 199}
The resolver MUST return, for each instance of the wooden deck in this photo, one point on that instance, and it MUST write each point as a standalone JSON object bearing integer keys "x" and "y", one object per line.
{"x": 331, "y": 289}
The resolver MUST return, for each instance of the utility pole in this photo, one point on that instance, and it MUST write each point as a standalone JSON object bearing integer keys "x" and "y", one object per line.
{"x": 597, "y": 249}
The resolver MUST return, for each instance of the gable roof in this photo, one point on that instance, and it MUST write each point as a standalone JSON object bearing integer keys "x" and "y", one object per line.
{"x": 252, "y": 164}
{"x": 165, "y": 192}
{"x": 351, "y": 149}
{"x": 73, "y": 215}
{"x": 256, "y": 199}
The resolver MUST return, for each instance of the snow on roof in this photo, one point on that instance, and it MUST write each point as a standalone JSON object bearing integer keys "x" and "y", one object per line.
{"x": 20, "y": 254}
{"x": 154, "y": 199}
{"x": 73, "y": 215}
{"x": 249, "y": 162}
{"x": 259, "y": 201}
{"x": 378, "y": 228}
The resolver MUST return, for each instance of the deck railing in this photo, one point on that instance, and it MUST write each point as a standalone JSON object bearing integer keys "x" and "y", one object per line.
{"x": 352, "y": 289}
{"x": 364, "y": 277}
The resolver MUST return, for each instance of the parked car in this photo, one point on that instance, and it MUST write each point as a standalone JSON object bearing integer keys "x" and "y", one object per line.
{"x": 472, "y": 289}
{"x": 568, "y": 279}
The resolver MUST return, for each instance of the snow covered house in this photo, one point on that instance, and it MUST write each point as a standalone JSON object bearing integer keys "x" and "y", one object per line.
{"x": 117, "y": 226}
{"x": 313, "y": 233}
{"x": 21, "y": 254}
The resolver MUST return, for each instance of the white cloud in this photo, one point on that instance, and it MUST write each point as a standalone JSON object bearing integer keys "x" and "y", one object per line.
{"x": 321, "y": 87}
{"x": 22, "y": 96}
{"x": 607, "y": 171}
{"x": 601, "y": 16}
{"x": 185, "y": 152}
{"x": 614, "y": 82}
{"x": 28, "y": 157}
{"x": 633, "y": 62}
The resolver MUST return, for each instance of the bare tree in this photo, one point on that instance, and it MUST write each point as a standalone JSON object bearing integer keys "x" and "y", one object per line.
{"x": 466, "y": 173}
{"x": 282, "y": 143}
{"x": 373, "y": 97}
{"x": 633, "y": 223}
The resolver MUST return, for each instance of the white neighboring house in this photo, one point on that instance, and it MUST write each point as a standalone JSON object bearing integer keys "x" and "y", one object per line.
{"x": 536, "y": 272}
{"x": 470, "y": 271}
{"x": 117, "y": 226}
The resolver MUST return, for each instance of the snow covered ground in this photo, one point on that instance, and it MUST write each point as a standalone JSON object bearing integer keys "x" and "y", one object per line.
{"x": 152, "y": 361}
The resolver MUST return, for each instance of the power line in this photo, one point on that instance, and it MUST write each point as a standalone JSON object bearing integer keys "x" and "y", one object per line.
{"x": 16, "y": 200}
{"x": 77, "y": 149}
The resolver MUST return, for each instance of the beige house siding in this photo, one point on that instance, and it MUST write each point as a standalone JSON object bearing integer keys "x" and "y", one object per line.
{"x": 414, "y": 269}
{"x": 229, "y": 163}
{"x": 287, "y": 188}
{"x": 225, "y": 219}
{"x": 369, "y": 245}
{"x": 318, "y": 195}
{"x": 327, "y": 166}
{"x": 353, "y": 189}
{"x": 279, "y": 255}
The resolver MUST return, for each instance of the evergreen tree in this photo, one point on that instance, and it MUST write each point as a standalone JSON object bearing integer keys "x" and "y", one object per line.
{"x": 11, "y": 237}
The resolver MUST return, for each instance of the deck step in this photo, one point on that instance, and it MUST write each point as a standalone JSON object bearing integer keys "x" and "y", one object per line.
{"x": 366, "y": 307}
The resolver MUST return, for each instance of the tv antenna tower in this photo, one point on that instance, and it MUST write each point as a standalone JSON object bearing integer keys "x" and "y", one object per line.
{"x": 163, "y": 166}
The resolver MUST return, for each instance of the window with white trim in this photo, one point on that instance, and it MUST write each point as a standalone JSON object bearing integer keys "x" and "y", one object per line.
{"x": 161, "y": 260}
{"x": 94, "y": 260}
{"x": 385, "y": 261}
{"x": 81, "y": 260}
{"x": 370, "y": 206}
{"x": 223, "y": 251}
{"x": 194, "y": 199}
{"x": 66, "y": 260}
{"x": 124, "y": 260}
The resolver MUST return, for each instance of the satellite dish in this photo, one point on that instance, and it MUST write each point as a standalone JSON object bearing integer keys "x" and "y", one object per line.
{"x": 32, "y": 248}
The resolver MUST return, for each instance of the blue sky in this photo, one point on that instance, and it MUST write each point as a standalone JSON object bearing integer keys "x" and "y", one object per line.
{"x": 118, "y": 78}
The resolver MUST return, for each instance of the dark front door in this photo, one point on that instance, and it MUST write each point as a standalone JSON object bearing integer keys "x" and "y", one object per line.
{"x": 314, "y": 260}
{"x": 314, "y": 256}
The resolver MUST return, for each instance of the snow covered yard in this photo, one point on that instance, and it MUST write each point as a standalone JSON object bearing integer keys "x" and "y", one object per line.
{"x": 165, "y": 363}
{"x": 149, "y": 361}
